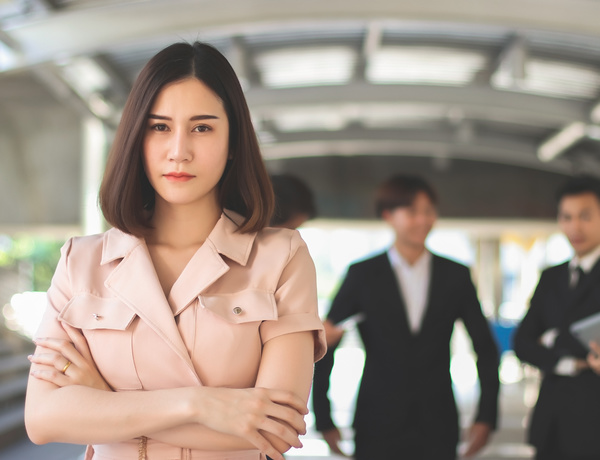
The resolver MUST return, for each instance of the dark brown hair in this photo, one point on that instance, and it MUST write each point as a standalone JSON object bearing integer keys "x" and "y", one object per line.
{"x": 579, "y": 184}
{"x": 292, "y": 197}
{"x": 400, "y": 190}
{"x": 126, "y": 196}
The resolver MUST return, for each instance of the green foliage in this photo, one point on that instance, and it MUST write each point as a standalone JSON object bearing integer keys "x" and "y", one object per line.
{"x": 39, "y": 255}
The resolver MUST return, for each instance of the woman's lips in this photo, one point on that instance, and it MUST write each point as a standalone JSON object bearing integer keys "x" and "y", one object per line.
{"x": 178, "y": 177}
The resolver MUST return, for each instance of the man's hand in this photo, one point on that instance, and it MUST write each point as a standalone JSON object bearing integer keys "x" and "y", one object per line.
{"x": 477, "y": 438}
{"x": 333, "y": 334}
{"x": 333, "y": 438}
{"x": 593, "y": 357}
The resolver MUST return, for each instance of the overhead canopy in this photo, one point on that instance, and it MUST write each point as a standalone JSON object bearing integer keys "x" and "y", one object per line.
{"x": 487, "y": 99}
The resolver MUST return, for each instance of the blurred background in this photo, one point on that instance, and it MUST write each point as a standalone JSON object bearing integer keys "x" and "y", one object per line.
{"x": 495, "y": 102}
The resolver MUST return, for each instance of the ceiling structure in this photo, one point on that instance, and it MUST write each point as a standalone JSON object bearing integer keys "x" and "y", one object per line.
{"x": 496, "y": 101}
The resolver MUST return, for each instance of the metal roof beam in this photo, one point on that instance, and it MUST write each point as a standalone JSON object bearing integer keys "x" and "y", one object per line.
{"x": 475, "y": 100}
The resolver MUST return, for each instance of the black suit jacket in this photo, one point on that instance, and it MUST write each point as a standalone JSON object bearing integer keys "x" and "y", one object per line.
{"x": 568, "y": 408}
{"x": 406, "y": 386}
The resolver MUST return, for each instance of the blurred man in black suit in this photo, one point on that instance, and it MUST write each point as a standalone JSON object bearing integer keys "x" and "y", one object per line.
{"x": 407, "y": 300}
{"x": 566, "y": 420}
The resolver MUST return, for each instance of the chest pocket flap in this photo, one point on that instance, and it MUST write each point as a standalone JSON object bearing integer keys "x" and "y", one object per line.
{"x": 243, "y": 306}
{"x": 87, "y": 311}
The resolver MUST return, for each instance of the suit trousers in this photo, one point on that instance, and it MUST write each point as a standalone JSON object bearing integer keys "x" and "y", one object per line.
{"x": 410, "y": 443}
{"x": 552, "y": 451}
{"x": 548, "y": 454}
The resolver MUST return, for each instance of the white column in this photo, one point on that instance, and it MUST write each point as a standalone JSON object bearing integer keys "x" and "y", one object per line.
{"x": 93, "y": 159}
{"x": 489, "y": 275}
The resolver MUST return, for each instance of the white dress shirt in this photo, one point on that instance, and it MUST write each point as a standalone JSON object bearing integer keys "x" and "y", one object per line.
{"x": 586, "y": 262}
{"x": 414, "y": 284}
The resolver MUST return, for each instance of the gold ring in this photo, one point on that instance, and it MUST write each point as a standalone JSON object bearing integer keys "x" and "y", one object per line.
{"x": 64, "y": 369}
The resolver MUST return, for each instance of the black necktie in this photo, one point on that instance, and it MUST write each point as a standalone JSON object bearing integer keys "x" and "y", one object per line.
{"x": 577, "y": 275}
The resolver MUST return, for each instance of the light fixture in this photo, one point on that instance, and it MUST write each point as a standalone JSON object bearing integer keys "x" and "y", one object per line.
{"x": 85, "y": 75}
{"x": 332, "y": 65}
{"x": 562, "y": 140}
{"x": 595, "y": 114}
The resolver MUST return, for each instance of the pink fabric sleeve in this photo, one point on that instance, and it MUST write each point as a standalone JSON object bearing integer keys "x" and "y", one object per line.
{"x": 58, "y": 295}
{"x": 296, "y": 298}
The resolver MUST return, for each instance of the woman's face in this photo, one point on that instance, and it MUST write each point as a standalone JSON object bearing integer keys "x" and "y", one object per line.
{"x": 186, "y": 144}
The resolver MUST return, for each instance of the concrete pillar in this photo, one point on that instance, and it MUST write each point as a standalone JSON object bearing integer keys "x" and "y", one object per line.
{"x": 489, "y": 275}
{"x": 94, "y": 153}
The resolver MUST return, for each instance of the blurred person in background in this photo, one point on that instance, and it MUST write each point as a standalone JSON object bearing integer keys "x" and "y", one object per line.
{"x": 294, "y": 201}
{"x": 566, "y": 419}
{"x": 405, "y": 302}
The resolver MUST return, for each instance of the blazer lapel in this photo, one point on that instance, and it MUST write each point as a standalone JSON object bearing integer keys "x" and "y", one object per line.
{"x": 564, "y": 291}
{"x": 135, "y": 283}
{"x": 207, "y": 265}
{"x": 394, "y": 299}
{"x": 582, "y": 291}
{"x": 434, "y": 299}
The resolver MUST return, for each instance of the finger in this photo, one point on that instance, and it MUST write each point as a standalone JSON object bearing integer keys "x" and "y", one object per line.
{"x": 79, "y": 341}
{"x": 336, "y": 449}
{"x": 469, "y": 452}
{"x": 286, "y": 406}
{"x": 474, "y": 446}
{"x": 47, "y": 359}
{"x": 333, "y": 443}
{"x": 50, "y": 343}
{"x": 289, "y": 416}
{"x": 262, "y": 444}
{"x": 65, "y": 349}
{"x": 56, "y": 345}
{"x": 288, "y": 398}
{"x": 53, "y": 360}
{"x": 282, "y": 431}
{"x": 49, "y": 374}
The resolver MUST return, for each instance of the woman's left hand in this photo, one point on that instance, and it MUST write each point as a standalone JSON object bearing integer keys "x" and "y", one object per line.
{"x": 65, "y": 363}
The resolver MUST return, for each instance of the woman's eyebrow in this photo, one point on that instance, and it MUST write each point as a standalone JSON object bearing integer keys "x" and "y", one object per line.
{"x": 154, "y": 116}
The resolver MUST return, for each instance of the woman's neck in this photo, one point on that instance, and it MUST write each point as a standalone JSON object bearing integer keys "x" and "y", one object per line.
{"x": 182, "y": 226}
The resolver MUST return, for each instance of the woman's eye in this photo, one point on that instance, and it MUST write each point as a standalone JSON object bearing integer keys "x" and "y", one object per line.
{"x": 201, "y": 128}
{"x": 161, "y": 127}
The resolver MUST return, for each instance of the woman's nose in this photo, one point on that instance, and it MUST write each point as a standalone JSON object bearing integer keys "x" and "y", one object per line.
{"x": 180, "y": 148}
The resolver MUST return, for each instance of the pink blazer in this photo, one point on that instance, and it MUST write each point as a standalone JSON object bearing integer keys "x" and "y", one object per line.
{"x": 237, "y": 292}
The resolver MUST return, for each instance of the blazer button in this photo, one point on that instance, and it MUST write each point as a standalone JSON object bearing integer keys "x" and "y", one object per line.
{"x": 237, "y": 310}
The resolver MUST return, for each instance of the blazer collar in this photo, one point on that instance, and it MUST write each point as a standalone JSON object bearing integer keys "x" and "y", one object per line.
{"x": 224, "y": 238}
{"x": 117, "y": 245}
{"x": 228, "y": 241}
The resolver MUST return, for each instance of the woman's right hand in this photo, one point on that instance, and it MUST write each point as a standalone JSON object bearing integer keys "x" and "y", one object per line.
{"x": 250, "y": 413}
{"x": 65, "y": 363}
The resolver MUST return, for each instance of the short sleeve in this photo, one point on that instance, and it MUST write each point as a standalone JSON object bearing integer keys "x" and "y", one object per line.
{"x": 296, "y": 298}
{"x": 57, "y": 296}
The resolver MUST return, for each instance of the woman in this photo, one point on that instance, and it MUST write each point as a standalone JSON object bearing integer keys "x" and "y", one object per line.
{"x": 189, "y": 329}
